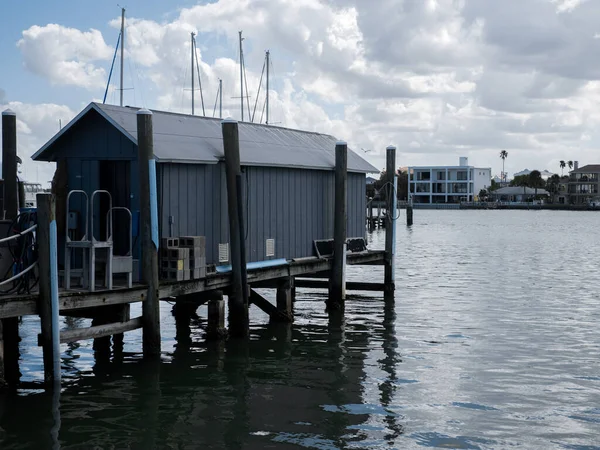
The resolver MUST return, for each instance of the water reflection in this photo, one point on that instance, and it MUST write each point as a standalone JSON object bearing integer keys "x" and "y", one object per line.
{"x": 487, "y": 346}
{"x": 289, "y": 385}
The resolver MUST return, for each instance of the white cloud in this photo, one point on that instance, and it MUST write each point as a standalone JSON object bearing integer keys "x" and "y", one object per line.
{"x": 36, "y": 124}
{"x": 439, "y": 78}
{"x": 567, "y": 5}
{"x": 64, "y": 55}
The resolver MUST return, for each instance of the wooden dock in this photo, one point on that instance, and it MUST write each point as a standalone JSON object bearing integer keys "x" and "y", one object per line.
{"x": 109, "y": 309}
{"x": 73, "y": 301}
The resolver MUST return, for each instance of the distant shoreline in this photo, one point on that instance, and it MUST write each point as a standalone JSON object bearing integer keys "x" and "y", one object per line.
{"x": 494, "y": 206}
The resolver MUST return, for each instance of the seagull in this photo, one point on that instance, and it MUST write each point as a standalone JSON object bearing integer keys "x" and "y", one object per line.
{"x": 366, "y": 151}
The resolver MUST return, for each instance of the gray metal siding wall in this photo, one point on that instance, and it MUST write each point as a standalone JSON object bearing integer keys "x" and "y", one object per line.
{"x": 357, "y": 205}
{"x": 296, "y": 207}
{"x": 191, "y": 194}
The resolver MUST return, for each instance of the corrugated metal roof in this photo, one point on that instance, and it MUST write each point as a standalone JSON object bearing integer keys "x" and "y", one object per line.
{"x": 518, "y": 190}
{"x": 195, "y": 139}
{"x": 590, "y": 168}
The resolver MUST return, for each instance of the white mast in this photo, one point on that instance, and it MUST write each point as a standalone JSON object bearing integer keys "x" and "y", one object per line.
{"x": 122, "y": 49}
{"x": 220, "y": 98}
{"x": 241, "y": 77}
{"x": 192, "y": 71}
{"x": 268, "y": 59}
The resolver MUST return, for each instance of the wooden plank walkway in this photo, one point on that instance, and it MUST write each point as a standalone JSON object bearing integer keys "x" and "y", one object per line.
{"x": 25, "y": 305}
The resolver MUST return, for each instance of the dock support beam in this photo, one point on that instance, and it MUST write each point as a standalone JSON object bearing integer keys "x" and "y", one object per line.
{"x": 285, "y": 304}
{"x": 337, "y": 290}
{"x": 238, "y": 295}
{"x": 10, "y": 326}
{"x": 390, "y": 226}
{"x": 216, "y": 318}
{"x": 409, "y": 213}
{"x": 48, "y": 281}
{"x": 149, "y": 233}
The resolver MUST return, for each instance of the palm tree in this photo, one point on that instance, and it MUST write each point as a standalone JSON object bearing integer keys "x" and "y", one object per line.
{"x": 535, "y": 180}
{"x": 570, "y": 164}
{"x": 562, "y": 167}
{"x": 503, "y": 156}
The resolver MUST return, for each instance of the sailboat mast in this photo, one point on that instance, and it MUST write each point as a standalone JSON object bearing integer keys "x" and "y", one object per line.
{"x": 122, "y": 50}
{"x": 192, "y": 71}
{"x": 241, "y": 77}
{"x": 268, "y": 61}
{"x": 220, "y": 98}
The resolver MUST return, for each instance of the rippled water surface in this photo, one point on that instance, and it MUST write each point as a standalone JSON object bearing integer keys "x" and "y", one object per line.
{"x": 493, "y": 342}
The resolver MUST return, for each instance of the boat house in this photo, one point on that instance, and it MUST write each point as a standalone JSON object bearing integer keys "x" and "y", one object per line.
{"x": 288, "y": 181}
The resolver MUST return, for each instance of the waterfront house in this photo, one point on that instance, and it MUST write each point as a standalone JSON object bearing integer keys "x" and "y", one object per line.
{"x": 516, "y": 194}
{"x": 447, "y": 184}
{"x": 584, "y": 184}
{"x": 288, "y": 179}
{"x": 545, "y": 174}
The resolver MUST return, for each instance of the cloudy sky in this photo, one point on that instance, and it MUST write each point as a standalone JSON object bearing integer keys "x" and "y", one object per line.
{"x": 437, "y": 78}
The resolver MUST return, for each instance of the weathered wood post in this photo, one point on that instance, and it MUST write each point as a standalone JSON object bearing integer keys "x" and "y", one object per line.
{"x": 409, "y": 211}
{"x": 337, "y": 289}
{"x": 390, "y": 226}
{"x": 149, "y": 233}
{"x": 238, "y": 302}
{"x": 21, "y": 190}
{"x": 285, "y": 303}
{"x": 2, "y": 376}
{"x": 9, "y": 163}
{"x": 10, "y": 326}
{"x": 215, "y": 328}
{"x": 48, "y": 282}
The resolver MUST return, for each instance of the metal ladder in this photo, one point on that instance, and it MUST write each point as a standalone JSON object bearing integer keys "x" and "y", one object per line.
{"x": 100, "y": 244}
{"x": 70, "y": 245}
{"x": 121, "y": 263}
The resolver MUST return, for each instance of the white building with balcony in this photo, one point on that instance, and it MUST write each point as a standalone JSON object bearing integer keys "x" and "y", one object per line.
{"x": 447, "y": 184}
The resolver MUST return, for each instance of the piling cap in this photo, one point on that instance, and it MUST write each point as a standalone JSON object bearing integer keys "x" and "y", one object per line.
{"x": 341, "y": 143}
{"x": 391, "y": 147}
{"x": 144, "y": 111}
{"x": 8, "y": 112}
{"x": 229, "y": 120}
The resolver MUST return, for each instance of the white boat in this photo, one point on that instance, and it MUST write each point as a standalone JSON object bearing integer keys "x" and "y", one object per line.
{"x": 31, "y": 190}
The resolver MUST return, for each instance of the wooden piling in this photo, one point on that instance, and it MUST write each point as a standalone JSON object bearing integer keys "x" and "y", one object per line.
{"x": 409, "y": 213}
{"x": 337, "y": 291}
{"x": 215, "y": 329}
{"x": 9, "y": 163}
{"x": 391, "y": 213}
{"x": 48, "y": 288}
{"x": 9, "y": 175}
{"x": 21, "y": 190}
{"x": 149, "y": 234}
{"x": 3, "y": 383}
{"x": 238, "y": 303}
{"x": 284, "y": 299}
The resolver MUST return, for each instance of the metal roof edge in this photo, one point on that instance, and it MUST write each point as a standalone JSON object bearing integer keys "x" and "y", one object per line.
{"x": 77, "y": 118}
{"x": 107, "y": 116}
{"x": 184, "y": 161}
{"x": 62, "y": 131}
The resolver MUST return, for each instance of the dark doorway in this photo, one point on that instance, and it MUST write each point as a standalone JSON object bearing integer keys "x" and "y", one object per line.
{"x": 115, "y": 177}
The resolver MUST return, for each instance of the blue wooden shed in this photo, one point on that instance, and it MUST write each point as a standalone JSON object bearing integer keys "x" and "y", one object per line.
{"x": 288, "y": 179}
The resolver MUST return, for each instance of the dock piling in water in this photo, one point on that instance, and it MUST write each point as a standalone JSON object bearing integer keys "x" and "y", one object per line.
{"x": 150, "y": 306}
{"x": 10, "y": 326}
{"x": 284, "y": 300}
{"x": 48, "y": 297}
{"x": 390, "y": 226}
{"x": 237, "y": 296}
{"x": 337, "y": 290}
{"x": 215, "y": 329}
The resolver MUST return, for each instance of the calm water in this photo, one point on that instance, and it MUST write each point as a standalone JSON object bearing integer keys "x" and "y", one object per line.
{"x": 493, "y": 343}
